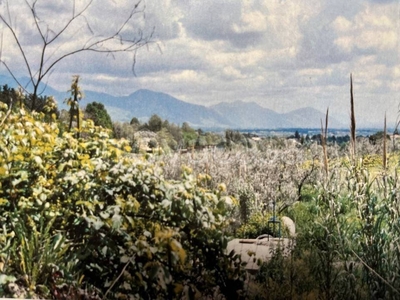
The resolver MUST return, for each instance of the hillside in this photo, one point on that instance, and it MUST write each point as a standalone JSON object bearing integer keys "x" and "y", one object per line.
{"x": 309, "y": 117}
{"x": 144, "y": 103}
{"x": 250, "y": 115}
{"x": 238, "y": 115}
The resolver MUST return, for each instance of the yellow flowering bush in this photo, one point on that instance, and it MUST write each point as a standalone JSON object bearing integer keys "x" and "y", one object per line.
{"x": 84, "y": 211}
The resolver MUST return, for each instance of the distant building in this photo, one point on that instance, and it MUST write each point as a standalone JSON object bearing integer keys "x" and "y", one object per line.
{"x": 146, "y": 140}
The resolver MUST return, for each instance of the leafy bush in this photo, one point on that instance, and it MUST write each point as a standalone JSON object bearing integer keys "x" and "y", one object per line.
{"x": 98, "y": 113}
{"x": 84, "y": 212}
{"x": 258, "y": 225}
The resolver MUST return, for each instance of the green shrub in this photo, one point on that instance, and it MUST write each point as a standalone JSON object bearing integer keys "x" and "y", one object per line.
{"x": 85, "y": 213}
{"x": 258, "y": 225}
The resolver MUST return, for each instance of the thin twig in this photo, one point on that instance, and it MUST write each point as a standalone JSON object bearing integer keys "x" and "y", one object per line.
{"x": 96, "y": 44}
{"x": 373, "y": 271}
{"x": 119, "y": 276}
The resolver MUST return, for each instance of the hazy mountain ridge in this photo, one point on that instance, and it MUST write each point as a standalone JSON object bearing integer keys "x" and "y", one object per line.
{"x": 309, "y": 117}
{"x": 250, "y": 115}
{"x": 238, "y": 114}
{"x": 144, "y": 103}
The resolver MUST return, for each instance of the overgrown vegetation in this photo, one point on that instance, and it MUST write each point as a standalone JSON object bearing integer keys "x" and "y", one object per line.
{"x": 82, "y": 217}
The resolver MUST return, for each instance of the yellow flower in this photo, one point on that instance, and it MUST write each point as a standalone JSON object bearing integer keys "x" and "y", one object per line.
{"x": 221, "y": 187}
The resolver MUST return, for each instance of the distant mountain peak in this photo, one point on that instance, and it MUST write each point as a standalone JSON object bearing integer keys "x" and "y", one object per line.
{"x": 147, "y": 92}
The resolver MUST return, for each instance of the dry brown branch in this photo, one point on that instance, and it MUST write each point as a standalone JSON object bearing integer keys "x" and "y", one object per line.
{"x": 384, "y": 145}
{"x": 324, "y": 137}
{"x": 352, "y": 121}
{"x": 51, "y": 41}
{"x": 373, "y": 271}
{"x": 119, "y": 276}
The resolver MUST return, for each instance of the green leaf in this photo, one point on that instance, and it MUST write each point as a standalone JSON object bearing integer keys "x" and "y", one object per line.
{"x": 3, "y": 201}
{"x": 4, "y": 279}
{"x": 97, "y": 224}
{"x": 116, "y": 221}
{"x": 38, "y": 160}
{"x": 124, "y": 259}
{"x": 57, "y": 241}
{"x": 166, "y": 203}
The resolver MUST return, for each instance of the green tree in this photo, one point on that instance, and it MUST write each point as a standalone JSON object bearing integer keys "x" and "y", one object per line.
{"x": 98, "y": 113}
{"x": 17, "y": 99}
{"x": 155, "y": 123}
{"x": 186, "y": 127}
{"x": 166, "y": 140}
{"x": 8, "y": 95}
{"x": 377, "y": 137}
{"x": 189, "y": 135}
{"x": 176, "y": 133}
{"x": 135, "y": 122}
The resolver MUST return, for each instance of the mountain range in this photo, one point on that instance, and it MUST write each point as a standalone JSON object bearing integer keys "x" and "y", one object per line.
{"x": 237, "y": 115}
{"x": 144, "y": 103}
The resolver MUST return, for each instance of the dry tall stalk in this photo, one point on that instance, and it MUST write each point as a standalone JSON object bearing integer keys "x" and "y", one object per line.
{"x": 396, "y": 128}
{"x": 384, "y": 146}
{"x": 352, "y": 121}
{"x": 324, "y": 134}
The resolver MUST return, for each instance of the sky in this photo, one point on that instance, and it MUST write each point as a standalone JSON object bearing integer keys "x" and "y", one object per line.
{"x": 281, "y": 54}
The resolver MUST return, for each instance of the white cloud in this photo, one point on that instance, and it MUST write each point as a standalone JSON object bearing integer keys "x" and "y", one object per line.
{"x": 281, "y": 54}
{"x": 341, "y": 24}
{"x": 252, "y": 21}
{"x": 373, "y": 28}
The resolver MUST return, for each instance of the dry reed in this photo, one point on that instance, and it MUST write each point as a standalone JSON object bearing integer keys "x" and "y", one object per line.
{"x": 352, "y": 121}
{"x": 324, "y": 138}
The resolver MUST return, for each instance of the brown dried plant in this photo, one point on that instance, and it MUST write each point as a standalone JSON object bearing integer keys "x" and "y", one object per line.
{"x": 352, "y": 122}
{"x": 384, "y": 145}
{"x": 270, "y": 173}
{"x": 324, "y": 136}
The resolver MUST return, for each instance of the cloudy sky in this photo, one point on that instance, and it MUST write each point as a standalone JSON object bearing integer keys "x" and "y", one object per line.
{"x": 281, "y": 54}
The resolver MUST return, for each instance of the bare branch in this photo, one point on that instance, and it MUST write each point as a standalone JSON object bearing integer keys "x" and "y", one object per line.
{"x": 110, "y": 44}
{"x": 373, "y": 271}
{"x": 134, "y": 63}
{"x": 14, "y": 77}
{"x": 119, "y": 276}
{"x": 74, "y": 17}
{"x": 8, "y": 12}
{"x": 14, "y": 34}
